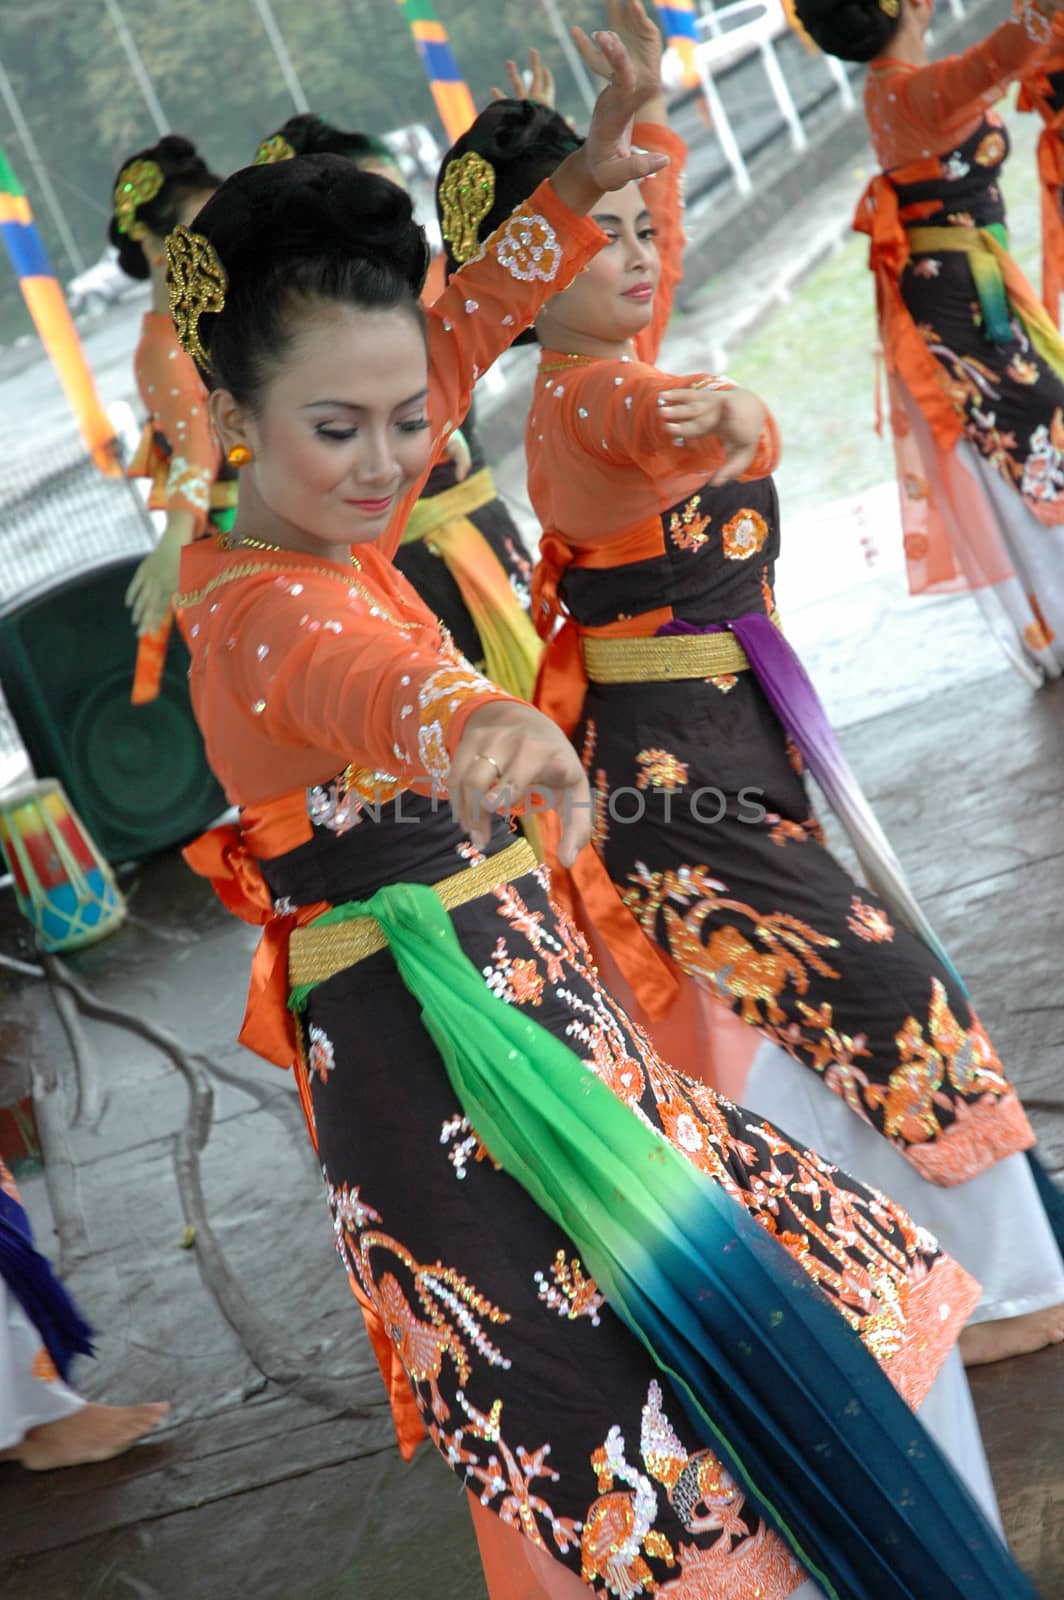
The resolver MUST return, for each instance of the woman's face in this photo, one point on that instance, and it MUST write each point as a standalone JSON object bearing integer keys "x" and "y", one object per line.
{"x": 342, "y": 433}
{"x": 613, "y": 298}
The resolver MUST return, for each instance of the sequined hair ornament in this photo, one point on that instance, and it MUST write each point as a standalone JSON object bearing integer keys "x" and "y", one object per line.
{"x": 138, "y": 183}
{"x": 467, "y": 194}
{"x": 275, "y": 148}
{"x": 197, "y": 284}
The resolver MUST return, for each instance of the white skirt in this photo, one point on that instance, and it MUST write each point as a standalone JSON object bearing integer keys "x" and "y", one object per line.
{"x": 31, "y": 1393}
{"x": 994, "y": 1225}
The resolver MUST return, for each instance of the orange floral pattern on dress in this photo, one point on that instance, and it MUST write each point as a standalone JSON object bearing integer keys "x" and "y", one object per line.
{"x": 458, "y": 1346}
{"x": 870, "y": 923}
{"x": 724, "y": 681}
{"x": 569, "y": 1291}
{"x": 688, "y": 530}
{"x": 751, "y": 975}
{"x": 990, "y": 151}
{"x": 744, "y": 534}
{"x": 660, "y": 769}
{"x": 44, "y": 1368}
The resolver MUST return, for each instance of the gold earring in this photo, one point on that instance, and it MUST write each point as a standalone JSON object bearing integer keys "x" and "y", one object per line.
{"x": 238, "y": 455}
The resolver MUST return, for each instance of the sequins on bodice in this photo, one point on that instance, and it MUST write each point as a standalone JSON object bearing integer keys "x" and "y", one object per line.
{"x": 718, "y": 551}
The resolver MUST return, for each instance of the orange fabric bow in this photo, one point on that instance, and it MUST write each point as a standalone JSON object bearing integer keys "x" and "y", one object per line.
{"x": 905, "y": 352}
{"x": 236, "y": 878}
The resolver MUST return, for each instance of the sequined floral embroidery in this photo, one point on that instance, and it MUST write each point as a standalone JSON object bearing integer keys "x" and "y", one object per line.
{"x": 870, "y": 923}
{"x": 568, "y": 1291}
{"x": 189, "y": 483}
{"x": 439, "y": 697}
{"x": 1043, "y": 471}
{"x": 990, "y": 151}
{"x": 744, "y": 534}
{"x": 320, "y": 1056}
{"x": 660, "y": 769}
{"x": 688, "y": 530}
{"x": 527, "y": 246}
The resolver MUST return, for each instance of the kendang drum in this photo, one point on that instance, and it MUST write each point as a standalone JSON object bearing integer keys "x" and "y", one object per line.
{"x": 64, "y": 887}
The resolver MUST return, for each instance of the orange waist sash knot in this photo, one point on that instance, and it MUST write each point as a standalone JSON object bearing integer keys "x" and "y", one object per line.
{"x": 270, "y": 1030}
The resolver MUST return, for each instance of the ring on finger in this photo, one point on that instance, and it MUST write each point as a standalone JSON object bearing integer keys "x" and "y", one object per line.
{"x": 492, "y": 763}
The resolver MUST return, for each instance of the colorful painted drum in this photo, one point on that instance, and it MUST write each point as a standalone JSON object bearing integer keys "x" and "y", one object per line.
{"x": 64, "y": 887}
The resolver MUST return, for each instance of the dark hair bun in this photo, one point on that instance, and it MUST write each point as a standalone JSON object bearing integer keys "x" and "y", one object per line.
{"x": 313, "y": 206}
{"x": 853, "y": 30}
{"x": 184, "y": 172}
{"x": 524, "y": 142}
{"x": 311, "y": 135}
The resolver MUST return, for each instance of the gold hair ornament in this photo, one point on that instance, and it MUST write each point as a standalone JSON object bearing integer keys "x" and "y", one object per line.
{"x": 890, "y": 8}
{"x": 197, "y": 284}
{"x": 275, "y": 148}
{"x": 467, "y": 194}
{"x": 137, "y": 183}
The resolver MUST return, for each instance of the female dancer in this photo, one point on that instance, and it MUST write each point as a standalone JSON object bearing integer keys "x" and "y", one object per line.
{"x": 461, "y": 549}
{"x": 708, "y": 864}
{"x": 976, "y": 369}
{"x": 524, "y": 1325}
{"x": 1043, "y": 92}
{"x": 43, "y": 1422}
{"x": 155, "y": 190}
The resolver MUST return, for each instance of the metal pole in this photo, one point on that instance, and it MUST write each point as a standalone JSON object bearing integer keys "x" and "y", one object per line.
{"x": 137, "y": 67}
{"x": 723, "y": 129}
{"x": 280, "y": 50}
{"x": 842, "y": 80}
{"x": 40, "y": 172}
{"x": 778, "y": 83}
{"x": 571, "y": 54}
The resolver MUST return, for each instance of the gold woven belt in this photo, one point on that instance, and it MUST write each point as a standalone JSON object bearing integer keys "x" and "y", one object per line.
{"x": 664, "y": 658}
{"x": 316, "y": 954}
{"x": 926, "y": 241}
{"x": 433, "y": 511}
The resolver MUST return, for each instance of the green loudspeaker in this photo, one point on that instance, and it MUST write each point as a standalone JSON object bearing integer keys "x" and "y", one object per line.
{"x": 136, "y": 775}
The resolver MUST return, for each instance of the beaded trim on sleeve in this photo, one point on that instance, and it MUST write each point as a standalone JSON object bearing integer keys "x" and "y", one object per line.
{"x": 1034, "y": 23}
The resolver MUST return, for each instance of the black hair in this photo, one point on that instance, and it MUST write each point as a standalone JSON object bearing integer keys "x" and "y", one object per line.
{"x": 310, "y": 229}
{"x": 184, "y": 173}
{"x": 853, "y": 30}
{"x": 310, "y": 135}
{"x": 524, "y": 142}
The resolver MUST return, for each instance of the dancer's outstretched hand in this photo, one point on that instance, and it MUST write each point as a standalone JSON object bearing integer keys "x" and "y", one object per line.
{"x": 640, "y": 36}
{"x": 539, "y": 85}
{"x": 509, "y": 752}
{"x": 606, "y": 160}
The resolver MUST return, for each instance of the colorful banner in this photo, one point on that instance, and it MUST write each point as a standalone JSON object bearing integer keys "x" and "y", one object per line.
{"x": 52, "y": 319}
{"x": 449, "y": 89}
{"x": 679, "y": 25}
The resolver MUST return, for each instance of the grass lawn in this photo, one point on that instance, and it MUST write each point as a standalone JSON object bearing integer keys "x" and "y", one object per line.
{"x": 812, "y": 358}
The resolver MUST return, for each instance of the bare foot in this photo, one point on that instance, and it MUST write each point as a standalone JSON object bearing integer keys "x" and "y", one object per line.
{"x": 94, "y": 1433}
{"x": 983, "y": 1342}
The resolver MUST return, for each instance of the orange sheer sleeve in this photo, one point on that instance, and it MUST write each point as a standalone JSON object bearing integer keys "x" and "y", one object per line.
{"x": 319, "y": 668}
{"x": 611, "y": 410}
{"x": 176, "y": 400}
{"x": 533, "y": 255}
{"x": 663, "y": 193}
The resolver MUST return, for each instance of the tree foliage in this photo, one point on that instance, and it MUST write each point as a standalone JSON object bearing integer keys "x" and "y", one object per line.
{"x": 219, "y": 83}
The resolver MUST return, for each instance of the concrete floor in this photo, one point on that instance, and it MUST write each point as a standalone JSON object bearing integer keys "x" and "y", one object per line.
{"x": 277, "y": 1477}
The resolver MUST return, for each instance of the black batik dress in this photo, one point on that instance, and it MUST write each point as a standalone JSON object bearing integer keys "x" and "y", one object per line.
{"x": 532, "y": 1391}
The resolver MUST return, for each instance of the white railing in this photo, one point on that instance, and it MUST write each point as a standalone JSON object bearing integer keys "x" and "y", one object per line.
{"x": 738, "y": 31}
